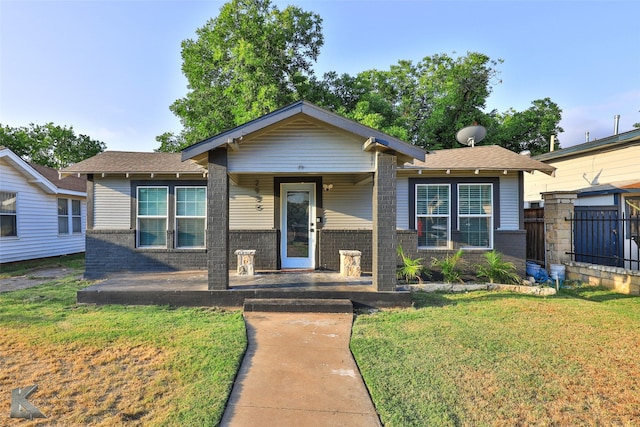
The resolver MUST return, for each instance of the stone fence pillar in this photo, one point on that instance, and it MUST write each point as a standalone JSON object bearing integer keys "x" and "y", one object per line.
{"x": 558, "y": 206}
{"x": 350, "y": 263}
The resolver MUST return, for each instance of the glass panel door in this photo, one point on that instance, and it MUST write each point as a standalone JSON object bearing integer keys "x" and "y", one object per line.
{"x": 298, "y": 232}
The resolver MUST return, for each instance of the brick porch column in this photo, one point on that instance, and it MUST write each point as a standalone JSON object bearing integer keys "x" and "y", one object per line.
{"x": 557, "y": 230}
{"x": 384, "y": 240}
{"x": 218, "y": 220}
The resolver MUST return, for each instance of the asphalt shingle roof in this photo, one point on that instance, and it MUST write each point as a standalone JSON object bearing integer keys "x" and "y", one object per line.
{"x": 481, "y": 157}
{"x": 134, "y": 162}
{"x": 72, "y": 183}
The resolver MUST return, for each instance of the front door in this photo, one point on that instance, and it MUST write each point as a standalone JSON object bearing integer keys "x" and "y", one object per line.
{"x": 298, "y": 244}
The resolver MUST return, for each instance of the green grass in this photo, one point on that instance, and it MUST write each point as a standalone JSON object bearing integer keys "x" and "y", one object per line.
{"x": 75, "y": 261}
{"x": 156, "y": 365}
{"x": 490, "y": 358}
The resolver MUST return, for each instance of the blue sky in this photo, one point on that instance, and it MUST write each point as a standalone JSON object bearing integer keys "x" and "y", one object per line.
{"x": 111, "y": 68}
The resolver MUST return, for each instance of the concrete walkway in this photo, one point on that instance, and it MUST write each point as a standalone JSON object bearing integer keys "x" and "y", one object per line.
{"x": 299, "y": 371}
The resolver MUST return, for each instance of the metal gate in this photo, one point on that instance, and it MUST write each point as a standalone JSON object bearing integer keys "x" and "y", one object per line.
{"x": 597, "y": 237}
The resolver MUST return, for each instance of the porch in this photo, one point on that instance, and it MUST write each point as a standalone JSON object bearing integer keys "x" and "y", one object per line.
{"x": 190, "y": 288}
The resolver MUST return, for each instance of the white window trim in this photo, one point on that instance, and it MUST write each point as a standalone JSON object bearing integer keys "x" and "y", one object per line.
{"x": 176, "y": 216}
{"x": 449, "y": 240}
{"x": 490, "y": 216}
{"x": 138, "y": 216}
{"x": 70, "y": 216}
{"x": 17, "y": 215}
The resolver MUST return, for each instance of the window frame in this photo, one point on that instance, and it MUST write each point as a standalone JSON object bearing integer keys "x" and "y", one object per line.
{"x": 165, "y": 216}
{"x": 65, "y": 217}
{"x": 71, "y": 219}
{"x": 490, "y": 228}
{"x": 13, "y": 214}
{"x": 455, "y": 182}
{"x": 176, "y": 217}
{"x": 449, "y": 240}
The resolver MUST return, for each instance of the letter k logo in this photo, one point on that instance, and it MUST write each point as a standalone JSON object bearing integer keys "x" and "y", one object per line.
{"x": 20, "y": 407}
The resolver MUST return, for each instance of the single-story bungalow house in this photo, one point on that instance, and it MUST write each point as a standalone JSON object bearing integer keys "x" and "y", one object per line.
{"x": 41, "y": 215}
{"x": 297, "y": 186}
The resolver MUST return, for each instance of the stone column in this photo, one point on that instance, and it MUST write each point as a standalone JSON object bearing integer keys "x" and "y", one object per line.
{"x": 218, "y": 220}
{"x": 384, "y": 240}
{"x": 558, "y": 206}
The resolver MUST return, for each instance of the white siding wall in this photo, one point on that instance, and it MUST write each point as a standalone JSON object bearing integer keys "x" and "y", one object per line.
{"x": 600, "y": 200}
{"x": 576, "y": 173}
{"x": 301, "y": 147}
{"x": 112, "y": 204}
{"x": 402, "y": 191}
{"x": 347, "y": 205}
{"x": 509, "y": 203}
{"x": 37, "y": 222}
{"x": 251, "y": 204}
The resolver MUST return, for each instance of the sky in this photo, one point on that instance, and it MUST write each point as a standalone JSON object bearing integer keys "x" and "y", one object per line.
{"x": 112, "y": 68}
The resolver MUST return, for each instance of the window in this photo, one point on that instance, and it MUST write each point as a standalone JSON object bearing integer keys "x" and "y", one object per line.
{"x": 152, "y": 216}
{"x": 8, "y": 215}
{"x": 191, "y": 205}
{"x": 433, "y": 215}
{"x": 76, "y": 216}
{"x": 69, "y": 217}
{"x": 475, "y": 215}
{"x": 63, "y": 216}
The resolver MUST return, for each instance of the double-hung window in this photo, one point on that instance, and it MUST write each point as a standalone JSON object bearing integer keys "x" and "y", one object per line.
{"x": 152, "y": 216}
{"x": 8, "y": 214}
{"x": 69, "y": 216}
{"x": 433, "y": 215}
{"x": 475, "y": 215}
{"x": 191, "y": 205}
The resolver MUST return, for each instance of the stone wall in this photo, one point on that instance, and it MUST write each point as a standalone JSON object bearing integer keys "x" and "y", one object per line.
{"x": 615, "y": 278}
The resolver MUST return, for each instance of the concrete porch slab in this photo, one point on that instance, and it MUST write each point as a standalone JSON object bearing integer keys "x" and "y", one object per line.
{"x": 189, "y": 288}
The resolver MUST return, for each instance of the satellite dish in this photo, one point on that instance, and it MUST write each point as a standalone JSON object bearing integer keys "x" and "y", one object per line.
{"x": 471, "y": 134}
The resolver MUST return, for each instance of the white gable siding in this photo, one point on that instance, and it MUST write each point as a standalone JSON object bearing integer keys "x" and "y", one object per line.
{"x": 37, "y": 221}
{"x": 402, "y": 204}
{"x": 509, "y": 203}
{"x": 347, "y": 205}
{"x": 251, "y": 204}
{"x": 112, "y": 204}
{"x": 301, "y": 147}
{"x": 580, "y": 172}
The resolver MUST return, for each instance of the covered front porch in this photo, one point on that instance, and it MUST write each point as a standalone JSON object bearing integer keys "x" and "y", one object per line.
{"x": 190, "y": 288}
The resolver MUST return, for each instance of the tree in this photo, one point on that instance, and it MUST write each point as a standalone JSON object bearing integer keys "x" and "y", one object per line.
{"x": 49, "y": 144}
{"x": 527, "y": 130}
{"x": 250, "y": 60}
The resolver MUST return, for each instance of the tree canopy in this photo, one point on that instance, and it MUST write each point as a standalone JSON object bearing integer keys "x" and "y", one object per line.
{"x": 49, "y": 145}
{"x": 253, "y": 59}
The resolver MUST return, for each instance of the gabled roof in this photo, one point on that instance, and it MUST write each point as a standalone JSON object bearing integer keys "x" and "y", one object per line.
{"x": 480, "y": 157}
{"x": 44, "y": 177}
{"x": 371, "y": 138}
{"x": 618, "y": 141}
{"x": 128, "y": 162}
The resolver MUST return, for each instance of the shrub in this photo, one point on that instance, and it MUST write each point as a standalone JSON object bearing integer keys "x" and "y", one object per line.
{"x": 411, "y": 269}
{"x": 497, "y": 270}
{"x": 448, "y": 265}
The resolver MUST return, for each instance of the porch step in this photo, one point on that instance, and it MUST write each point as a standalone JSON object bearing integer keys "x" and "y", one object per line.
{"x": 298, "y": 305}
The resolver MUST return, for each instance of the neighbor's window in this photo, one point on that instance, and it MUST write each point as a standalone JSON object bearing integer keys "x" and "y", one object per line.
{"x": 152, "y": 216}
{"x": 76, "y": 217}
{"x": 475, "y": 215}
{"x": 433, "y": 215}
{"x": 191, "y": 205}
{"x": 63, "y": 216}
{"x": 8, "y": 214}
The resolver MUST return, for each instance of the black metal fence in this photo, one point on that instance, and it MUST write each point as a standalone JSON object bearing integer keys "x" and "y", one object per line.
{"x": 603, "y": 236}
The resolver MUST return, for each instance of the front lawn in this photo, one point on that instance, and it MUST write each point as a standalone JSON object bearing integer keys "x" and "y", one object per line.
{"x": 495, "y": 358}
{"x": 116, "y": 365}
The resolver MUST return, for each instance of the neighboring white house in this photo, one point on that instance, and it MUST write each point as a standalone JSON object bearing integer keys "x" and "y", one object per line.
{"x": 40, "y": 214}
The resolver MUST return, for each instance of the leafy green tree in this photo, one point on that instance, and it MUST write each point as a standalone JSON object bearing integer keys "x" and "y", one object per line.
{"x": 250, "y": 60}
{"x": 530, "y": 129}
{"x": 49, "y": 145}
